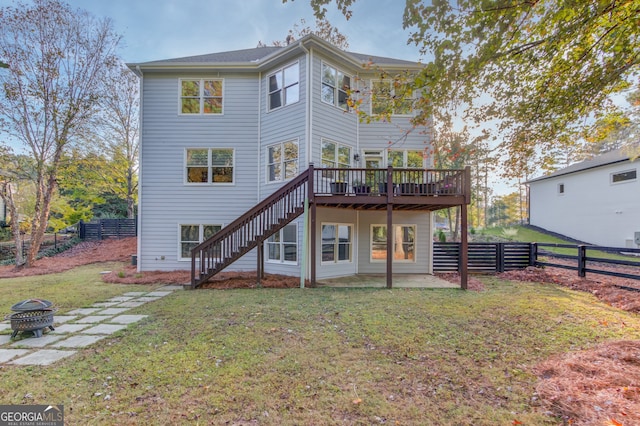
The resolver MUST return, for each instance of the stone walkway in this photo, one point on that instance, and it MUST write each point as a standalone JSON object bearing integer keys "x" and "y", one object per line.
{"x": 75, "y": 329}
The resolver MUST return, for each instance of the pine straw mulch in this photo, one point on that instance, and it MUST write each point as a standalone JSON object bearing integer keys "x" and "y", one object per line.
{"x": 600, "y": 386}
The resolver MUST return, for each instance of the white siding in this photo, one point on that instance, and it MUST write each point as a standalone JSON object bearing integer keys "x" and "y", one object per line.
{"x": 592, "y": 209}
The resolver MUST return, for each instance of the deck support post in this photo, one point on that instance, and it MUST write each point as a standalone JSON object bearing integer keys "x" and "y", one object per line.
{"x": 312, "y": 226}
{"x": 389, "y": 227}
{"x": 464, "y": 248}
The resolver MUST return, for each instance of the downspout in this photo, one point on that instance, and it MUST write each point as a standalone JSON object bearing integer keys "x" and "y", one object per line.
{"x": 305, "y": 272}
{"x": 140, "y": 147}
{"x": 259, "y": 189}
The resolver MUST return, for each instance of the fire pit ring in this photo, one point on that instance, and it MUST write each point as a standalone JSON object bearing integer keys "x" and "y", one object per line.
{"x": 33, "y": 315}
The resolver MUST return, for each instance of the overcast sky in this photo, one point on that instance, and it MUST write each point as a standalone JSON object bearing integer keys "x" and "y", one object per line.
{"x": 163, "y": 29}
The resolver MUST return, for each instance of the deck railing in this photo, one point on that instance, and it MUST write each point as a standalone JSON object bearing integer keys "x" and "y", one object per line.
{"x": 397, "y": 182}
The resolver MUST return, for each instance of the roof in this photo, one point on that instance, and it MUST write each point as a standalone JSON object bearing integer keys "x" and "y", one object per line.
{"x": 258, "y": 57}
{"x": 611, "y": 157}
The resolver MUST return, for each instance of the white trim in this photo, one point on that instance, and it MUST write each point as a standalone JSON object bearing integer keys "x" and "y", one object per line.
{"x": 336, "y": 261}
{"x": 200, "y": 226}
{"x": 281, "y": 244}
{"x": 210, "y": 181}
{"x": 200, "y": 97}
{"x": 295, "y": 141}
{"x": 336, "y": 89}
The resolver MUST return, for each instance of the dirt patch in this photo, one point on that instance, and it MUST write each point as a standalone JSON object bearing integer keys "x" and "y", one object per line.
{"x": 453, "y": 277}
{"x": 600, "y": 386}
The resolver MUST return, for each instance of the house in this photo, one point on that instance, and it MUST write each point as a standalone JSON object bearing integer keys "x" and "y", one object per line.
{"x": 255, "y": 160}
{"x": 596, "y": 201}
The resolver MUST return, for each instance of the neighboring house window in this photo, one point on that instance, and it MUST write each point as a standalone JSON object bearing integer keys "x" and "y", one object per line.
{"x": 624, "y": 176}
{"x": 561, "y": 188}
{"x": 336, "y": 242}
{"x": 209, "y": 165}
{"x": 201, "y": 96}
{"x": 335, "y": 87}
{"x": 404, "y": 246}
{"x": 282, "y": 161}
{"x": 282, "y": 246}
{"x": 388, "y": 97}
{"x": 284, "y": 87}
{"x": 192, "y": 235}
{"x": 406, "y": 159}
{"x": 335, "y": 155}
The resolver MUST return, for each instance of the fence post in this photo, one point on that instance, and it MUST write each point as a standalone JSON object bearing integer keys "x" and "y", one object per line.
{"x": 533, "y": 254}
{"x": 500, "y": 257}
{"x": 582, "y": 261}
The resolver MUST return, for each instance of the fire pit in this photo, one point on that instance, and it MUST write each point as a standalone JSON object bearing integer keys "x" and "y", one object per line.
{"x": 33, "y": 315}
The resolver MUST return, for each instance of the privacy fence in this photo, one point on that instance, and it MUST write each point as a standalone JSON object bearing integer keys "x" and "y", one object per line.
{"x": 500, "y": 257}
{"x": 107, "y": 228}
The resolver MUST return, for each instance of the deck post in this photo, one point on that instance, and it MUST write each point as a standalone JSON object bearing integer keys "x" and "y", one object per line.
{"x": 312, "y": 226}
{"x": 389, "y": 227}
{"x": 260, "y": 266}
{"x": 464, "y": 247}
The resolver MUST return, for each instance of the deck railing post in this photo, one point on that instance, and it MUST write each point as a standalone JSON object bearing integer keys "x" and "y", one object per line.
{"x": 582, "y": 261}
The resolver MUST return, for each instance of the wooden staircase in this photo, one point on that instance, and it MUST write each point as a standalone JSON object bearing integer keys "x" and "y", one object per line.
{"x": 249, "y": 230}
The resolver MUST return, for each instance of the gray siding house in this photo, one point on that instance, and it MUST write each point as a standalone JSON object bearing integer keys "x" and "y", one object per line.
{"x": 224, "y": 132}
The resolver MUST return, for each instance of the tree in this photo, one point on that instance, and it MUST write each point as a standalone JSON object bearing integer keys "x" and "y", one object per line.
{"x": 323, "y": 29}
{"x": 57, "y": 59}
{"x": 541, "y": 68}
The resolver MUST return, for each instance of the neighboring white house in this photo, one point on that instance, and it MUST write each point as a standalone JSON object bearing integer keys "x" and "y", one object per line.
{"x": 221, "y": 132}
{"x": 596, "y": 201}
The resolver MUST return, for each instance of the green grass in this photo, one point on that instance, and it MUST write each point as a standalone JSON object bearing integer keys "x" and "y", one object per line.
{"x": 315, "y": 356}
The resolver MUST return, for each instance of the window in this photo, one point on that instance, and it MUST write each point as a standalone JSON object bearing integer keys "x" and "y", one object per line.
{"x": 624, "y": 176}
{"x": 192, "y": 235}
{"x": 209, "y": 165}
{"x": 405, "y": 159}
{"x": 389, "y": 97}
{"x": 404, "y": 246}
{"x": 283, "y": 245}
{"x": 282, "y": 161}
{"x": 336, "y": 242}
{"x": 284, "y": 88}
{"x": 335, "y": 87}
{"x": 335, "y": 155}
{"x": 201, "y": 96}
{"x": 561, "y": 188}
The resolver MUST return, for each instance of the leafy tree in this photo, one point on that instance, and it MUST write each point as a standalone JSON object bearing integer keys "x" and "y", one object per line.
{"x": 540, "y": 68}
{"x": 57, "y": 59}
{"x": 323, "y": 29}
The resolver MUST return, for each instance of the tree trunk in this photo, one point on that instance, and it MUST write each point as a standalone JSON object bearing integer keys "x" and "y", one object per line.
{"x": 41, "y": 214}
{"x": 7, "y": 197}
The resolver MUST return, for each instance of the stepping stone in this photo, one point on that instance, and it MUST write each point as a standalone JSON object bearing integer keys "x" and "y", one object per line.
{"x": 135, "y": 293}
{"x": 131, "y": 304}
{"x": 79, "y": 341}
{"x": 104, "y": 304}
{"x": 37, "y": 342}
{"x": 5, "y": 327}
{"x": 104, "y": 329}
{"x": 84, "y": 311}
{"x": 5, "y": 338}
{"x": 59, "y": 319}
{"x": 92, "y": 319}
{"x": 159, "y": 293}
{"x": 170, "y": 288}
{"x": 121, "y": 299}
{"x": 113, "y": 311}
{"x": 69, "y": 328}
{"x": 147, "y": 299}
{"x": 42, "y": 357}
{"x": 127, "y": 319}
{"x": 8, "y": 354}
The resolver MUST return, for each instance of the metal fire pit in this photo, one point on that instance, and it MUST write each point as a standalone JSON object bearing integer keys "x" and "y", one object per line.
{"x": 33, "y": 315}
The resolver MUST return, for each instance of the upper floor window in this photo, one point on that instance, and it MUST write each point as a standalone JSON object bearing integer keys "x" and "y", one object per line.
{"x": 335, "y": 87}
{"x": 387, "y": 97}
{"x": 192, "y": 235}
{"x": 201, "y": 96}
{"x": 406, "y": 159}
{"x": 284, "y": 86}
{"x": 335, "y": 155}
{"x": 282, "y": 161}
{"x": 209, "y": 165}
{"x": 283, "y": 245}
{"x": 624, "y": 176}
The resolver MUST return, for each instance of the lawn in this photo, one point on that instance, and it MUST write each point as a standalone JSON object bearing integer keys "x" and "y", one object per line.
{"x": 314, "y": 356}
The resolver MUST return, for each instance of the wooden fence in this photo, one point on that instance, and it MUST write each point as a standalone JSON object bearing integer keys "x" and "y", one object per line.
{"x": 500, "y": 257}
{"x": 108, "y": 228}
